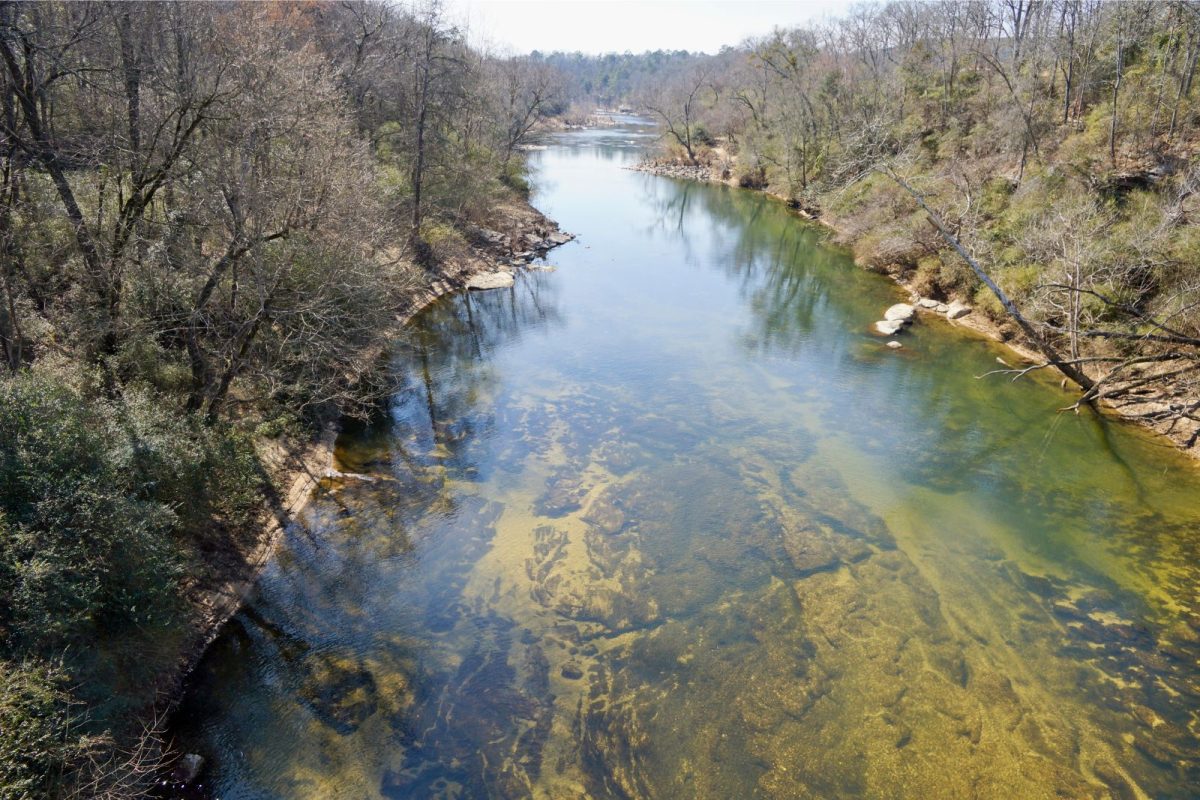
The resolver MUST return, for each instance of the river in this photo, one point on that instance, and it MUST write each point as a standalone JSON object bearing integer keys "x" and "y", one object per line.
{"x": 669, "y": 521}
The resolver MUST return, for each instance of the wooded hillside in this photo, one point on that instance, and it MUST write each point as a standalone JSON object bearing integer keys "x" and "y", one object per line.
{"x": 1056, "y": 140}
{"x": 209, "y": 217}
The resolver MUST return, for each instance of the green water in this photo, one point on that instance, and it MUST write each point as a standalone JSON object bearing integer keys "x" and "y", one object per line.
{"x": 670, "y": 522}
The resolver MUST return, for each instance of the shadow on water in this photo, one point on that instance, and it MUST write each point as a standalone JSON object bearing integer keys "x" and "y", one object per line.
{"x": 670, "y": 522}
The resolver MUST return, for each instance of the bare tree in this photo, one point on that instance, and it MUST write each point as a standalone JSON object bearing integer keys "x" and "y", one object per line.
{"x": 525, "y": 92}
{"x": 56, "y": 54}
{"x": 285, "y": 202}
{"x": 679, "y": 102}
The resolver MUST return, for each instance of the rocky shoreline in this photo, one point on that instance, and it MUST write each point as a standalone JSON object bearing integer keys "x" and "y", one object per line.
{"x": 1185, "y": 438}
{"x": 492, "y": 252}
{"x": 297, "y": 470}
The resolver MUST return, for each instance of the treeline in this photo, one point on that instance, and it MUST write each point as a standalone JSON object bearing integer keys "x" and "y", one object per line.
{"x": 1053, "y": 143}
{"x": 208, "y": 216}
{"x": 612, "y": 79}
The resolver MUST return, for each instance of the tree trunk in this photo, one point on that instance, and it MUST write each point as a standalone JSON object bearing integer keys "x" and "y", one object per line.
{"x": 1045, "y": 348}
{"x": 1112, "y": 128}
{"x": 1185, "y": 80}
{"x": 418, "y": 169}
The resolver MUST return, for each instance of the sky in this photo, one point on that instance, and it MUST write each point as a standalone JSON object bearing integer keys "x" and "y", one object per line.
{"x": 614, "y": 26}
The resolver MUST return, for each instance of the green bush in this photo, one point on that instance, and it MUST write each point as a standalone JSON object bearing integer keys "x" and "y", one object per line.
{"x": 995, "y": 197}
{"x": 39, "y": 740}
{"x": 99, "y": 502}
{"x": 81, "y": 539}
{"x": 702, "y": 136}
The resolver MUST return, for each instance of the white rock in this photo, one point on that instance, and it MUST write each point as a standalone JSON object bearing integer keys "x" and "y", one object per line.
{"x": 491, "y": 280}
{"x": 894, "y": 345}
{"x": 888, "y": 327}
{"x": 957, "y": 309}
{"x": 901, "y": 312}
{"x": 928, "y": 302}
{"x": 942, "y": 308}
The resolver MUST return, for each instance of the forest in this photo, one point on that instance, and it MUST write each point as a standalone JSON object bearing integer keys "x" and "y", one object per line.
{"x": 1048, "y": 148}
{"x": 210, "y": 215}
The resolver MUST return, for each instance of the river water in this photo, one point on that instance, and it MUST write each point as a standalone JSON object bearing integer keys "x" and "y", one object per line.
{"x": 670, "y": 522}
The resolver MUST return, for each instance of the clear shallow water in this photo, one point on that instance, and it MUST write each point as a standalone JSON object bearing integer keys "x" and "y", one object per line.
{"x": 670, "y": 522}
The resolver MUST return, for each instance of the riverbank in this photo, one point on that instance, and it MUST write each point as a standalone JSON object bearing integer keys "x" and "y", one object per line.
{"x": 1152, "y": 409}
{"x": 295, "y": 469}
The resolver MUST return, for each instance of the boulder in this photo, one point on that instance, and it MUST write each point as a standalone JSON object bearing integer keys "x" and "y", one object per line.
{"x": 888, "y": 327}
{"x": 901, "y": 312}
{"x": 558, "y": 237}
{"x": 957, "y": 309}
{"x": 941, "y": 308}
{"x": 928, "y": 302}
{"x": 894, "y": 345}
{"x": 492, "y": 237}
{"x": 491, "y": 280}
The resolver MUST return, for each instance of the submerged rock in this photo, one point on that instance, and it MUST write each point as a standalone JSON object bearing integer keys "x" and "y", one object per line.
{"x": 894, "y": 345}
{"x": 485, "y": 730}
{"x": 491, "y": 280}
{"x": 619, "y": 458}
{"x": 340, "y": 692}
{"x": 563, "y": 495}
{"x": 605, "y": 514}
{"x": 809, "y": 550}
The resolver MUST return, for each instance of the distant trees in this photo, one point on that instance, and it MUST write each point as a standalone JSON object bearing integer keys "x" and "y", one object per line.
{"x": 615, "y": 78}
{"x": 679, "y": 101}
{"x": 524, "y": 92}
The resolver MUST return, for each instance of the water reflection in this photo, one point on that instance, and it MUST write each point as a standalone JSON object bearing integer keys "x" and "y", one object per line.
{"x": 669, "y": 522}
